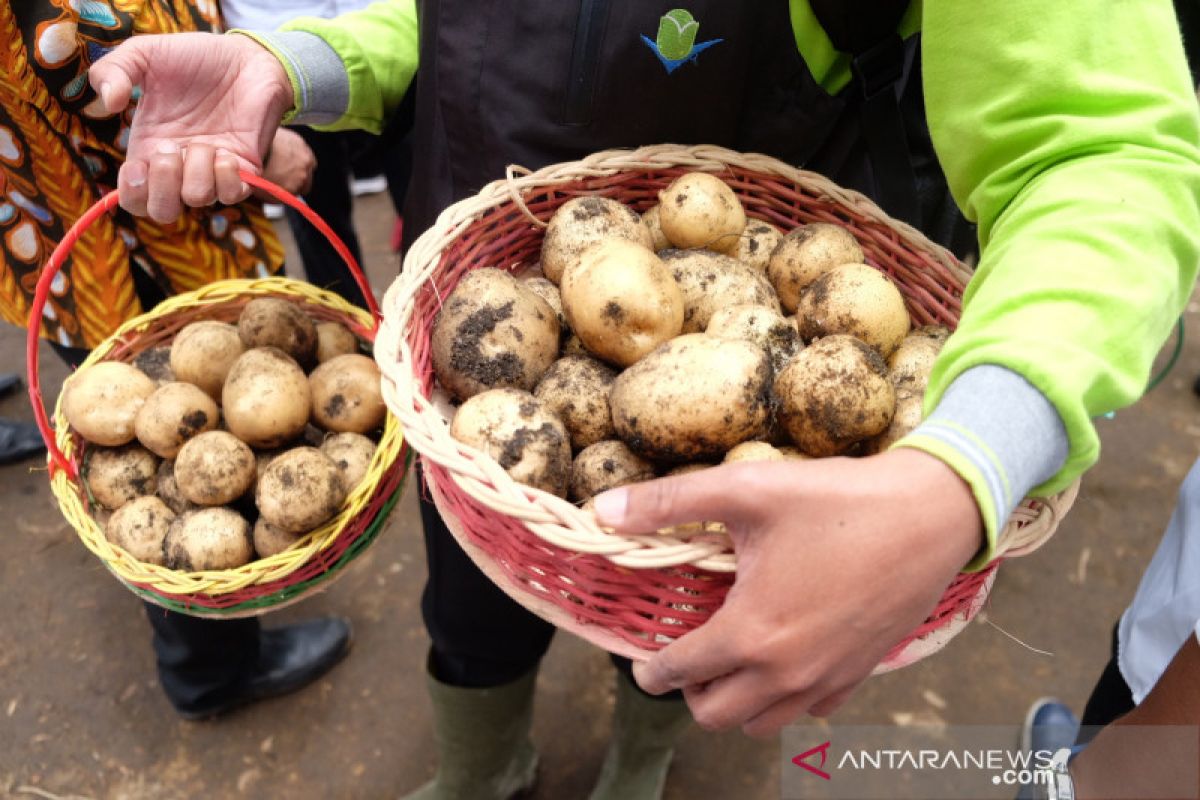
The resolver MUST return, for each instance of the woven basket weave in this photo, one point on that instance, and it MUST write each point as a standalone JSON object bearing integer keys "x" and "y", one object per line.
{"x": 268, "y": 583}
{"x": 634, "y": 594}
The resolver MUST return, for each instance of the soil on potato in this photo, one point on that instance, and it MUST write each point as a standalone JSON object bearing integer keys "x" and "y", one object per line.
{"x": 155, "y": 363}
{"x": 467, "y": 358}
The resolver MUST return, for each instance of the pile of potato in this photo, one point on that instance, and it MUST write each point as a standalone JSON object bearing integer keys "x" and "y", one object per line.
{"x": 677, "y": 339}
{"x": 230, "y": 444}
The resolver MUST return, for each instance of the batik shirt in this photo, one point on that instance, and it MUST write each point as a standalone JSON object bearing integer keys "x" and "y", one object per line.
{"x": 59, "y": 153}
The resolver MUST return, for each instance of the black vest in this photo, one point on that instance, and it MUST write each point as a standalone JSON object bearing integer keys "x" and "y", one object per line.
{"x": 537, "y": 82}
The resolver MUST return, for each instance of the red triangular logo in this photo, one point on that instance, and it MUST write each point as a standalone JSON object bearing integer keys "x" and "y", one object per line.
{"x": 800, "y": 760}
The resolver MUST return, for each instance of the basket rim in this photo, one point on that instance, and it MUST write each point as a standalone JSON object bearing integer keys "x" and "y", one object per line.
{"x": 70, "y": 489}
{"x": 554, "y": 519}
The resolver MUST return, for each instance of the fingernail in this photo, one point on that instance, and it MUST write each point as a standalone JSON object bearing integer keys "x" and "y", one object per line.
{"x": 106, "y": 95}
{"x": 167, "y": 148}
{"x": 611, "y": 506}
{"x": 135, "y": 173}
{"x": 245, "y": 188}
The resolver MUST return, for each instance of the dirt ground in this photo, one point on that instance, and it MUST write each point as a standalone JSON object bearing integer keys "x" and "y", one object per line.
{"x": 81, "y": 714}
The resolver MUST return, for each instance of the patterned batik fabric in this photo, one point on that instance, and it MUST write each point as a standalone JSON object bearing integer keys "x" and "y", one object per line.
{"x": 59, "y": 153}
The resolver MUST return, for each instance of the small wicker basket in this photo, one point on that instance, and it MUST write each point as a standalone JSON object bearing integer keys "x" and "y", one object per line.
{"x": 634, "y": 594}
{"x": 269, "y": 583}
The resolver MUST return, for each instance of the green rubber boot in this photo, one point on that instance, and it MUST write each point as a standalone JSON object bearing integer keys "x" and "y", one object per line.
{"x": 484, "y": 748}
{"x": 643, "y": 741}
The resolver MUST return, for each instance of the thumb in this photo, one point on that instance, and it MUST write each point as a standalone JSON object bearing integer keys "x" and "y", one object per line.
{"x": 703, "y": 655}
{"x": 114, "y": 76}
{"x": 719, "y": 494}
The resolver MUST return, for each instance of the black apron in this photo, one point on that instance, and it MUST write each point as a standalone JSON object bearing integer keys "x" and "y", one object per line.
{"x": 543, "y": 81}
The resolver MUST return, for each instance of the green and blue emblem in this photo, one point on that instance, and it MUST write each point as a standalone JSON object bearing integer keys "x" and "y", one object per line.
{"x": 676, "y": 43}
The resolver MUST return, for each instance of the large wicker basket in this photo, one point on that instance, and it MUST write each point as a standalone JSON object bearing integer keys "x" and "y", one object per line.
{"x": 634, "y": 594}
{"x": 266, "y": 584}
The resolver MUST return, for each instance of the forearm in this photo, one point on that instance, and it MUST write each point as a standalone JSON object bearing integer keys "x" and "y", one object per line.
{"x": 1125, "y": 760}
{"x": 1071, "y": 137}
{"x": 351, "y": 71}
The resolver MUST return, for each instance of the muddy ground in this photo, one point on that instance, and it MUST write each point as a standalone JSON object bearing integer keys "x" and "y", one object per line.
{"x": 81, "y": 714}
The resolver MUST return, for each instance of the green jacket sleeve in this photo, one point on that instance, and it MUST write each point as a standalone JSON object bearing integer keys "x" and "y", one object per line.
{"x": 378, "y": 46}
{"x": 1069, "y": 132}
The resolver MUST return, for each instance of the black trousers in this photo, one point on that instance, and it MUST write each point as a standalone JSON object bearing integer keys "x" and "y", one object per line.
{"x": 1110, "y": 699}
{"x": 199, "y": 660}
{"x": 481, "y": 637}
{"x": 330, "y": 198}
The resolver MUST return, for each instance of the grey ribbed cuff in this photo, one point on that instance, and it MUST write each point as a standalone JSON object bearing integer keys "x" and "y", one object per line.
{"x": 1006, "y": 428}
{"x": 323, "y": 88}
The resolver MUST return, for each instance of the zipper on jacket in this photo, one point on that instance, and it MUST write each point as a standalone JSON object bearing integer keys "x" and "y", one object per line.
{"x": 585, "y": 56}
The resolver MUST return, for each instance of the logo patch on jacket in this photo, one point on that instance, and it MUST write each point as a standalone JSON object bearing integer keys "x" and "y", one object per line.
{"x": 676, "y": 43}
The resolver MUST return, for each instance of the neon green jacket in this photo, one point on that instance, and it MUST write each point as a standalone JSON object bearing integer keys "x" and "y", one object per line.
{"x": 1083, "y": 178}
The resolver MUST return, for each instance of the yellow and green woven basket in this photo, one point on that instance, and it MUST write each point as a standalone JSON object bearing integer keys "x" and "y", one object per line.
{"x": 268, "y": 583}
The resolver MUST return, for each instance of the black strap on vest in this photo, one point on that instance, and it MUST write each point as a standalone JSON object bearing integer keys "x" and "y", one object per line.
{"x": 866, "y": 29}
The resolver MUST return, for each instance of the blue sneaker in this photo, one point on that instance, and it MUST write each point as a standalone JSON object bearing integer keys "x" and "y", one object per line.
{"x": 1049, "y": 725}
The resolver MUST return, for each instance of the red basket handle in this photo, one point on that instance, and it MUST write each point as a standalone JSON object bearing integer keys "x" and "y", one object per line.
{"x": 55, "y": 262}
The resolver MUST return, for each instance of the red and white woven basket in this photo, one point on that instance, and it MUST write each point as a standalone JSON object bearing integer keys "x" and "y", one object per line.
{"x": 634, "y": 594}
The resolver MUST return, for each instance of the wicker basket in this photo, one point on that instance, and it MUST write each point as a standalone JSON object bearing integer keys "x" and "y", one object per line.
{"x": 268, "y": 583}
{"x": 634, "y": 594}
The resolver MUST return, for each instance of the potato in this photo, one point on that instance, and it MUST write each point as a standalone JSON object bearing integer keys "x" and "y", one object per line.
{"x": 710, "y": 281}
{"x": 272, "y": 322}
{"x": 263, "y": 459}
{"x": 334, "y": 339}
{"x": 101, "y": 402}
{"x": 346, "y": 394}
{"x": 582, "y": 222}
{"x": 793, "y": 453}
{"x": 116, "y": 475}
{"x": 621, "y": 301}
{"x": 753, "y": 451}
{"x": 658, "y": 239}
{"x": 573, "y": 346}
{"x": 300, "y": 490}
{"x": 546, "y": 290}
{"x": 912, "y": 362}
{"x": 804, "y": 254}
{"x": 203, "y": 353}
{"x": 156, "y": 364}
{"x": 351, "y": 453}
{"x": 269, "y": 540}
{"x": 833, "y": 395}
{"x": 576, "y": 390}
{"x": 521, "y": 433}
{"x": 493, "y": 332}
{"x": 908, "y": 416}
{"x": 686, "y": 469}
{"x": 208, "y": 539}
{"x": 172, "y": 415}
{"x": 857, "y": 300}
{"x": 168, "y": 489}
{"x": 756, "y": 244}
{"x": 266, "y": 398}
{"x": 693, "y": 398}
{"x": 700, "y": 210}
{"x": 606, "y": 465}
{"x": 214, "y": 468}
{"x": 139, "y": 527}
{"x": 759, "y": 324}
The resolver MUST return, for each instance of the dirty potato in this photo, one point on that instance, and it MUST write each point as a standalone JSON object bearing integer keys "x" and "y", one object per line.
{"x": 710, "y": 281}
{"x": 214, "y": 468}
{"x": 272, "y": 322}
{"x": 521, "y": 433}
{"x": 606, "y": 465}
{"x": 208, "y": 539}
{"x": 266, "y": 398}
{"x": 139, "y": 527}
{"x": 173, "y": 414}
{"x": 759, "y": 324}
{"x": 346, "y": 394}
{"x": 911, "y": 364}
{"x": 576, "y": 390}
{"x": 700, "y": 210}
{"x": 834, "y": 394}
{"x": 582, "y": 222}
{"x": 116, "y": 475}
{"x": 857, "y": 300}
{"x": 102, "y": 401}
{"x": 621, "y": 301}
{"x": 756, "y": 244}
{"x": 692, "y": 399}
{"x": 300, "y": 490}
{"x": 804, "y": 254}
{"x": 203, "y": 353}
{"x": 493, "y": 332}
{"x": 351, "y": 453}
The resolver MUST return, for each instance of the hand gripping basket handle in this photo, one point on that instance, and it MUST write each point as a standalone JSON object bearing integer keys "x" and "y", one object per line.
{"x": 103, "y": 206}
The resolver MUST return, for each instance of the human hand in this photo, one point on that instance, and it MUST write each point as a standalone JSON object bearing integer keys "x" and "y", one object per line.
{"x": 838, "y": 560}
{"x": 210, "y": 105}
{"x": 290, "y": 165}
